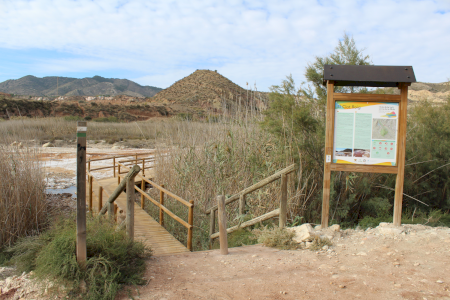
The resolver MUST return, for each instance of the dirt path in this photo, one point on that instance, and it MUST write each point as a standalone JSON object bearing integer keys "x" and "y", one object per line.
{"x": 360, "y": 265}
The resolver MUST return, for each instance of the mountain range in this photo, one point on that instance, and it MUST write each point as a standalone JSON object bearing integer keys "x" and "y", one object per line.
{"x": 67, "y": 86}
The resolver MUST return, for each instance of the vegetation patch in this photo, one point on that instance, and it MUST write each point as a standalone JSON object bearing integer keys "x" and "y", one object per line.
{"x": 112, "y": 258}
{"x": 276, "y": 237}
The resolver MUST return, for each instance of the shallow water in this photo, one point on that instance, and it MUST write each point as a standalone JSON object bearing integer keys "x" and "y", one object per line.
{"x": 71, "y": 189}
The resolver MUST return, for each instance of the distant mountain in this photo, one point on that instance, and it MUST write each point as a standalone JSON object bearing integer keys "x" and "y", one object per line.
{"x": 66, "y": 86}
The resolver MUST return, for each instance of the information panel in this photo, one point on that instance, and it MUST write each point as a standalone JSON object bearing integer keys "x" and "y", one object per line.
{"x": 365, "y": 133}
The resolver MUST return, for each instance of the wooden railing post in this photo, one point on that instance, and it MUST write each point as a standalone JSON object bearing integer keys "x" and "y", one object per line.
{"x": 212, "y": 226}
{"x": 111, "y": 210}
{"x": 283, "y": 201}
{"x": 100, "y": 198}
{"x": 161, "y": 212}
{"x": 143, "y": 167}
{"x": 130, "y": 207}
{"x": 191, "y": 222}
{"x": 81, "y": 193}
{"x": 222, "y": 214}
{"x": 89, "y": 166}
{"x": 116, "y": 208}
{"x": 242, "y": 204}
{"x": 142, "y": 195}
{"x": 118, "y": 174}
{"x": 114, "y": 166}
{"x": 90, "y": 193}
{"x": 136, "y": 159}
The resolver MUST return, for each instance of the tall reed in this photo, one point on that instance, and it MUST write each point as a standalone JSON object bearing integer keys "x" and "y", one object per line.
{"x": 23, "y": 207}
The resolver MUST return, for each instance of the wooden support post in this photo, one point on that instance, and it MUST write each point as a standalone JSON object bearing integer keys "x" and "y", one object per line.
{"x": 136, "y": 159}
{"x": 90, "y": 193}
{"x": 222, "y": 214}
{"x": 398, "y": 198}
{"x": 161, "y": 212}
{"x": 111, "y": 210}
{"x": 130, "y": 207}
{"x": 143, "y": 167}
{"x": 212, "y": 227}
{"x": 191, "y": 222}
{"x": 142, "y": 196}
{"x": 114, "y": 166}
{"x": 328, "y": 154}
{"x": 283, "y": 201}
{"x": 118, "y": 174}
{"x": 115, "y": 211}
{"x": 81, "y": 192}
{"x": 242, "y": 204}
{"x": 100, "y": 198}
{"x": 89, "y": 166}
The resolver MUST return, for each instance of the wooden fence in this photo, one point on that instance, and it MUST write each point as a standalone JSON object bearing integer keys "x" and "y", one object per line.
{"x": 281, "y": 212}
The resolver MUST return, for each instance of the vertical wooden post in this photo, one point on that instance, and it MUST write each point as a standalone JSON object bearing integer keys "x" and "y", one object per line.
{"x": 212, "y": 226}
{"x": 116, "y": 208}
{"x": 283, "y": 201}
{"x": 100, "y": 198}
{"x": 81, "y": 192}
{"x": 398, "y": 198}
{"x": 142, "y": 195}
{"x": 328, "y": 154}
{"x": 114, "y": 166}
{"x": 191, "y": 222}
{"x": 130, "y": 208}
{"x": 143, "y": 167}
{"x": 242, "y": 204}
{"x": 161, "y": 212}
{"x": 90, "y": 193}
{"x": 136, "y": 159}
{"x": 111, "y": 211}
{"x": 89, "y": 166}
{"x": 222, "y": 214}
{"x": 118, "y": 173}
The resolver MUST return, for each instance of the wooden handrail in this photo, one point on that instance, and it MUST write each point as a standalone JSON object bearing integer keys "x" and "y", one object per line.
{"x": 139, "y": 159}
{"x": 256, "y": 186}
{"x": 117, "y": 156}
{"x": 251, "y": 222}
{"x": 178, "y": 198}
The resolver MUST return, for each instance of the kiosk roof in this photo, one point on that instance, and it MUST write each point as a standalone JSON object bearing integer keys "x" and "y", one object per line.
{"x": 374, "y": 76}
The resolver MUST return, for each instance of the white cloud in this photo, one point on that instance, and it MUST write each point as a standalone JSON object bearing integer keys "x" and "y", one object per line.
{"x": 260, "y": 41}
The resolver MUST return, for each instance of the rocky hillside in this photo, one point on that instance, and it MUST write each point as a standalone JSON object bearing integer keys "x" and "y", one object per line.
{"x": 419, "y": 91}
{"x": 210, "y": 90}
{"x": 66, "y": 86}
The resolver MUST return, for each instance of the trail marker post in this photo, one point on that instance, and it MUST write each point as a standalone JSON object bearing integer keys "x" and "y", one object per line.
{"x": 81, "y": 192}
{"x": 366, "y": 132}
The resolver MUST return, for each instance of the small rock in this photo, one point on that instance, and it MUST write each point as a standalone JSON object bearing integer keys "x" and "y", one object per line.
{"x": 335, "y": 227}
{"x": 318, "y": 227}
{"x": 303, "y": 233}
{"x": 397, "y": 264}
{"x": 342, "y": 286}
{"x": 361, "y": 254}
{"x": 439, "y": 281}
{"x": 46, "y": 145}
{"x": 397, "y": 285}
{"x": 325, "y": 247}
{"x": 416, "y": 264}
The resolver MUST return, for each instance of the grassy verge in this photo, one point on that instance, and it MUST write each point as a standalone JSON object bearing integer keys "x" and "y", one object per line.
{"x": 112, "y": 259}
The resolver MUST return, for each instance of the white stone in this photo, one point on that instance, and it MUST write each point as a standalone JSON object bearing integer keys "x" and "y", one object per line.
{"x": 318, "y": 227}
{"x": 390, "y": 230}
{"x": 335, "y": 227}
{"x": 303, "y": 233}
{"x": 48, "y": 145}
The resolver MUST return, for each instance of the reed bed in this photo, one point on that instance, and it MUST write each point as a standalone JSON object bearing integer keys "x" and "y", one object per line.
{"x": 23, "y": 207}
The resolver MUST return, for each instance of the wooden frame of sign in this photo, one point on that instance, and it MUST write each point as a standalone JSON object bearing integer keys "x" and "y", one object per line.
{"x": 399, "y": 166}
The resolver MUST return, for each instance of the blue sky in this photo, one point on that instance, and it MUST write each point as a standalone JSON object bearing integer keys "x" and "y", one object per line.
{"x": 159, "y": 42}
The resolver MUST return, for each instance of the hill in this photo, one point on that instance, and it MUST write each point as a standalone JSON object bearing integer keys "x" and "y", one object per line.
{"x": 67, "y": 86}
{"x": 205, "y": 89}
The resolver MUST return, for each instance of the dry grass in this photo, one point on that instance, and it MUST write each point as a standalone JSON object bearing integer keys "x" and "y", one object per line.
{"x": 23, "y": 208}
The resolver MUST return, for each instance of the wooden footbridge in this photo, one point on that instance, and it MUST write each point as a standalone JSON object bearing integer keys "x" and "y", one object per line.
{"x": 146, "y": 229}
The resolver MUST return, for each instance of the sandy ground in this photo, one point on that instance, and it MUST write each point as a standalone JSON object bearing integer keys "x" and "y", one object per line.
{"x": 360, "y": 265}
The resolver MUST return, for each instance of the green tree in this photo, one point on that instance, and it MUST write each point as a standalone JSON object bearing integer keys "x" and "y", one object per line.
{"x": 345, "y": 53}
{"x": 296, "y": 116}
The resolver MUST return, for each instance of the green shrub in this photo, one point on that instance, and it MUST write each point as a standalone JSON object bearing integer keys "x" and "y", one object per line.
{"x": 276, "y": 237}
{"x": 112, "y": 258}
{"x": 106, "y": 119}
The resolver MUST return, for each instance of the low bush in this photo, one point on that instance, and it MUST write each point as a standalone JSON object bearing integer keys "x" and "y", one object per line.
{"x": 112, "y": 258}
{"x": 276, "y": 237}
{"x": 318, "y": 243}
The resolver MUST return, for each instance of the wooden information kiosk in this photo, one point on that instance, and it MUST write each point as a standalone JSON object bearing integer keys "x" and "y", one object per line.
{"x": 366, "y": 132}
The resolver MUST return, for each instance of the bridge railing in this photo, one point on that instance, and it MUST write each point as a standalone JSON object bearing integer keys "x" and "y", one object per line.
{"x": 280, "y": 212}
{"x": 134, "y": 158}
{"x": 160, "y": 204}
